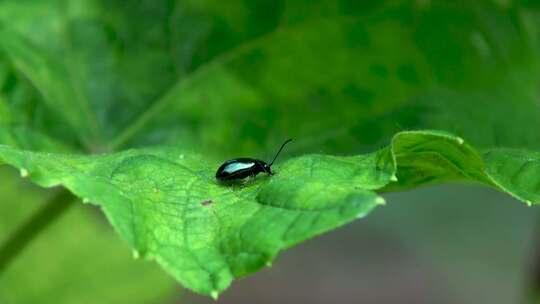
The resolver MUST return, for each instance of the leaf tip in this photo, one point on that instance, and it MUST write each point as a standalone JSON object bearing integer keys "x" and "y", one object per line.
{"x": 23, "y": 172}
{"x": 460, "y": 140}
{"x": 393, "y": 178}
{"x": 269, "y": 263}
{"x": 380, "y": 201}
{"x": 214, "y": 294}
{"x": 528, "y": 203}
{"x": 136, "y": 254}
{"x": 85, "y": 200}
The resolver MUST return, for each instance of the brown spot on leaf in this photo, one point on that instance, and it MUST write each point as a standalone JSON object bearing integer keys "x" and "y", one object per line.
{"x": 207, "y": 202}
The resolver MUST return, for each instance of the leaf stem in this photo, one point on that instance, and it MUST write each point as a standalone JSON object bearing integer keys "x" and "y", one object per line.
{"x": 53, "y": 208}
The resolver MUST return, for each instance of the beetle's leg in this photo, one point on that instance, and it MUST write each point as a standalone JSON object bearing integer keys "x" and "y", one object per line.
{"x": 244, "y": 182}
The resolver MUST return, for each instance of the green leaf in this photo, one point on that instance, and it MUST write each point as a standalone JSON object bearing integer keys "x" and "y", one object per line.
{"x": 432, "y": 83}
{"x": 91, "y": 61}
{"x": 219, "y": 82}
{"x": 515, "y": 171}
{"x": 69, "y": 261}
{"x": 429, "y": 157}
{"x": 54, "y": 83}
{"x": 167, "y": 204}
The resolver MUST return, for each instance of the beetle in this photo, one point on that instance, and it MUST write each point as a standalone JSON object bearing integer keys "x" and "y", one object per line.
{"x": 240, "y": 168}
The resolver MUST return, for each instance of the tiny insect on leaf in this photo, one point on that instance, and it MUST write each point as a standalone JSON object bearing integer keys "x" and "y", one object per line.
{"x": 241, "y": 168}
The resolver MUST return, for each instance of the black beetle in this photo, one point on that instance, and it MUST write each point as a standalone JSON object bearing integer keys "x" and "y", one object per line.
{"x": 240, "y": 168}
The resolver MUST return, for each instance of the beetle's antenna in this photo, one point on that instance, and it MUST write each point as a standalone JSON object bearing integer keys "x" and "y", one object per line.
{"x": 286, "y": 142}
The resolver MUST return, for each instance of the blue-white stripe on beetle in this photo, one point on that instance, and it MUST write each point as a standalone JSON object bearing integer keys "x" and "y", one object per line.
{"x": 240, "y": 168}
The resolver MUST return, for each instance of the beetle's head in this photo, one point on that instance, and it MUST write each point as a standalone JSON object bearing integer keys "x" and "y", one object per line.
{"x": 267, "y": 169}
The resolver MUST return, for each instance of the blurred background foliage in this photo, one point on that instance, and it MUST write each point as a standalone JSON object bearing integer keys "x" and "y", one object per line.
{"x": 236, "y": 78}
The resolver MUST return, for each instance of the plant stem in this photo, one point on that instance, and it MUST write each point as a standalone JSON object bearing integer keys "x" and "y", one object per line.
{"x": 52, "y": 209}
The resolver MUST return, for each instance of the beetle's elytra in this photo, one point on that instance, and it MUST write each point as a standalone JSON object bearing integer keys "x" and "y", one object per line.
{"x": 240, "y": 168}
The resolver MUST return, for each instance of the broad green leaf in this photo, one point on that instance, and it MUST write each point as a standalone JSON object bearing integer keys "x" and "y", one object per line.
{"x": 81, "y": 60}
{"x": 53, "y": 81}
{"x": 166, "y": 203}
{"x": 432, "y": 82}
{"x": 515, "y": 171}
{"x": 219, "y": 81}
{"x": 468, "y": 85}
{"x": 77, "y": 260}
{"x": 428, "y": 157}
{"x": 14, "y": 133}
